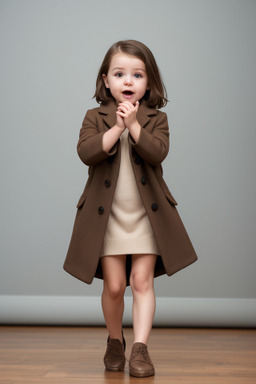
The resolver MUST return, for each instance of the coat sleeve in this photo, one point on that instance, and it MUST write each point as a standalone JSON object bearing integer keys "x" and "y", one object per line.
{"x": 89, "y": 147}
{"x": 153, "y": 146}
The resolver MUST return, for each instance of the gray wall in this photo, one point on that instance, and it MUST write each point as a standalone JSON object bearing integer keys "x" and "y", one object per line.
{"x": 50, "y": 53}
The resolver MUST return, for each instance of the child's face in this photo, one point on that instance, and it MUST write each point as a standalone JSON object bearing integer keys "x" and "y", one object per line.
{"x": 127, "y": 78}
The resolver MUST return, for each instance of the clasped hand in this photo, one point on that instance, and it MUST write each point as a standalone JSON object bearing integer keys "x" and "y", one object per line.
{"x": 125, "y": 118}
{"x": 126, "y": 114}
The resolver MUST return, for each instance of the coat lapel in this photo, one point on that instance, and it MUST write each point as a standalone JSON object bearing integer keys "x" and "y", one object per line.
{"x": 144, "y": 114}
{"x": 108, "y": 112}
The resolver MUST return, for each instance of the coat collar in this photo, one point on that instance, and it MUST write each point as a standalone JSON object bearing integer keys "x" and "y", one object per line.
{"x": 108, "y": 111}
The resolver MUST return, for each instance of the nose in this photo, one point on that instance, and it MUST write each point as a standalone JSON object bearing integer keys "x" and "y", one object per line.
{"x": 128, "y": 80}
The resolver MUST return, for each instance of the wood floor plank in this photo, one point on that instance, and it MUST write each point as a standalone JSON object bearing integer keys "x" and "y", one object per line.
{"x": 74, "y": 355}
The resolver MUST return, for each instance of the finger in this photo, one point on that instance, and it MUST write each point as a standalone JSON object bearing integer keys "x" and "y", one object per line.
{"x": 137, "y": 104}
{"x": 126, "y": 105}
{"x": 120, "y": 111}
{"x": 120, "y": 114}
{"x": 129, "y": 104}
{"x": 123, "y": 109}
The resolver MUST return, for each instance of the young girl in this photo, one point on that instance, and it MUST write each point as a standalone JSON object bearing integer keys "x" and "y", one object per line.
{"x": 127, "y": 229}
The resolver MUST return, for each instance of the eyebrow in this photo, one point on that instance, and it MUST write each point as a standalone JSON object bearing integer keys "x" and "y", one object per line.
{"x": 135, "y": 69}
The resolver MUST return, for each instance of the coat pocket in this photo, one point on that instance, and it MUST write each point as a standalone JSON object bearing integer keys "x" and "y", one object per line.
{"x": 81, "y": 201}
{"x": 167, "y": 192}
{"x": 170, "y": 198}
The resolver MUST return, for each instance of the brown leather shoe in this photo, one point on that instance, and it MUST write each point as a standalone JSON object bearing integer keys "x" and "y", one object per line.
{"x": 114, "y": 358}
{"x": 140, "y": 364}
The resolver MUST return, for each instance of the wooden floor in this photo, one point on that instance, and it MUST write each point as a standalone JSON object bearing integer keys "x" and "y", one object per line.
{"x": 73, "y": 355}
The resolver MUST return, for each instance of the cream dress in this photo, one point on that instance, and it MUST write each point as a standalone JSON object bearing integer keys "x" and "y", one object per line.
{"x": 128, "y": 230}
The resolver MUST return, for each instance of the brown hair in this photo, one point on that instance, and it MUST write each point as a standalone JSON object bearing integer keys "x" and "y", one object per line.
{"x": 156, "y": 96}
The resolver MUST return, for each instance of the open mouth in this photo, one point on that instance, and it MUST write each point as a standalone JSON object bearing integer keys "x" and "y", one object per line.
{"x": 128, "y": 93}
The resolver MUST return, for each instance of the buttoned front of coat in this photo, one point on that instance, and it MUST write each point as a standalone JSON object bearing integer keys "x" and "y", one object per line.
{"x": 94, "y": 205}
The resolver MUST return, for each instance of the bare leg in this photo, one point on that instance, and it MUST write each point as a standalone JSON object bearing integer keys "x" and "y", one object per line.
{"x": 114, "y": 275}
{"x": 142, "y": 285}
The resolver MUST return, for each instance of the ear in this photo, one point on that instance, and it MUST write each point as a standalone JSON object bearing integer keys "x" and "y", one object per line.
{"x": 105, "y": 79}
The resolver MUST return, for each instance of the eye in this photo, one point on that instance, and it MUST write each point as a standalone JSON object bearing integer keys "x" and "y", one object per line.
{"x": 137, "y": 75}
{"x": 118, "y": 74}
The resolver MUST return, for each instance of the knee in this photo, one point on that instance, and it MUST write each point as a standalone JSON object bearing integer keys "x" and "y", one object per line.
{"x": 140, "y": 282}
{"x": 114, "y": 289}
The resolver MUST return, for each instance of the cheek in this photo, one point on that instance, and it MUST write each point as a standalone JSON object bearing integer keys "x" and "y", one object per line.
{"x": 146, "y": 87}
{"x": 113, "y": 83}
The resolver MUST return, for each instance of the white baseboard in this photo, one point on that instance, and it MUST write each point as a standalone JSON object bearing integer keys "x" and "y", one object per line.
{"x": 170, "y": 312}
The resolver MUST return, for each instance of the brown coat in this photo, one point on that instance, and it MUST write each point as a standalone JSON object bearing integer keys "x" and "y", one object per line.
{"x": 93, "y": 208}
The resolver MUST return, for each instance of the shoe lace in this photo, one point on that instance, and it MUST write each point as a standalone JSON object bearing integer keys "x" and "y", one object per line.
{"x": 144, "y": 354}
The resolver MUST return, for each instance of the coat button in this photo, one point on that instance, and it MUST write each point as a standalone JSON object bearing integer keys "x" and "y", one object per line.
{"x": 101, "y": 210}
{"x": 138, "y": 159}
{"x": 107, "y": 183}
{"x": 154, "y": 207}
{"x": 110, "y": 159}
{"x": 143, "y": 180}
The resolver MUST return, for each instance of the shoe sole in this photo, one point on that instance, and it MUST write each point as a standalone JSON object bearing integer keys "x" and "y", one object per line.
{"x": 142, "y": 374}
{"x": 121, "y": 368}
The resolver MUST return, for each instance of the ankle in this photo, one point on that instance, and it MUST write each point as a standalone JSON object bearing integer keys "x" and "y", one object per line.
{"x": 116, "y": 336}
{"x": 120, "y": 337}
{"x": 140, "y": 340}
